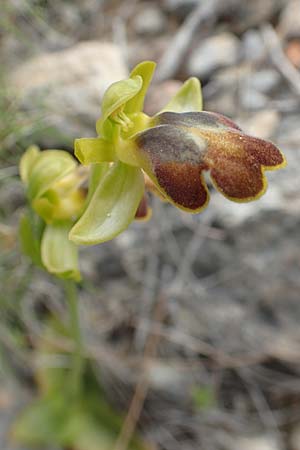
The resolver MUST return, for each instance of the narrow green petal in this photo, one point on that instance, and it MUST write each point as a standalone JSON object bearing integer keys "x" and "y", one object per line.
{"x": 59, "y": 255}
{"x": 116, "y": 96}
{"x": 98, "y": 171}
{"x": 94, "y": 150}
{"x": 27, "y": 161}
{"x": 187, "y": 99}
{"x": 144, "y": 70}
{"x": 112, "y": 207}
{"x": 50, "y": 166}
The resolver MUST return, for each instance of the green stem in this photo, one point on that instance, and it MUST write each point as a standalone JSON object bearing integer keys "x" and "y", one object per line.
{"x": 78, "y": 357}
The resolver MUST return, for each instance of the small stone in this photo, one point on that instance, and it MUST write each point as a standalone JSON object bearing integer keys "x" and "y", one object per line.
{"x": 264, "y": 80}
{"x": 254, "y": 48}
{"x": 289, "y": 22}
{"x": 246, "y": 77}
{"x": 253, "y": 100}
{"x": 264, "y": 442}
{"x": 249, "y": 14}
{"x": 149, "y": 21}
{"x": 214, "y": 53}
{"x": 166, "y": 377}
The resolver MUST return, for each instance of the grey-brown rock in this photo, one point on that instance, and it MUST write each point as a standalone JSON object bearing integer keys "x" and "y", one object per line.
{"x": 254, "y": 49}
{"x": 289, "y": 24}
{"x": 149, "y": 21}
{"x": 218, "y": 51}
{"x": 263, "y": 442}
{"x": 264, "y": 80}
{"x": 253, "y": 100}
{"x": 67, "y": 87}
{"x": 246, "y": 14}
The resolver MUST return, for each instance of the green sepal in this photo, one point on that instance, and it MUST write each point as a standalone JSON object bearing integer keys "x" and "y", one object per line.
{"x": 98, "y": 171}
{"x": 46, "y": 205}
{"x": 187, "y": 99}
{"x": 27, "y": 161}
{"x": 48, "y": 168}
{"x": 59, "y": 255}
{"x": 94, "y": 150}
{"x": 145, "y": 70}
{"x": 112, "y": 207}
{"x": 116, "y": 97}
{"x": 30, "y": 233}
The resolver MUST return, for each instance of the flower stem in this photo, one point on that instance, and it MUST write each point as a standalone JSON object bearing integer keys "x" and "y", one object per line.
{"x": 78, "y": 357}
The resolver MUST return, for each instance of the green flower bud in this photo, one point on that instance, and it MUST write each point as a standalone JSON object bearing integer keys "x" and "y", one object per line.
{"x": 53, "y": 181}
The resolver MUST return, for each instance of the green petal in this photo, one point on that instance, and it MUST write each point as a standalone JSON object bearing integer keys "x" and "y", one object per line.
{"x": 59, "y": 255}
{"x": 98, "y": 171}
{"x": 144, "y": 70}
{"x": 49, "y": 167}
{"x": 187, "y": 99}
{"x": 27, "y": 161}
{"x": 94, "y": 150}
{"x": 116, "y": 96}
{"x": 112, "y": 207}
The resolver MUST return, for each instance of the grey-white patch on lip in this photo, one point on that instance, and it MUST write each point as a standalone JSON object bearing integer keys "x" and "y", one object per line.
{"x": 169, "y": 143}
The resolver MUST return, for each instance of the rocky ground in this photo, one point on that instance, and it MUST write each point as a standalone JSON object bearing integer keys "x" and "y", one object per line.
{"x": 220, "y": 289}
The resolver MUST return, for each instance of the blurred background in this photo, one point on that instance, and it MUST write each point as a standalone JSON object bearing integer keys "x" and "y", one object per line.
{"x": 204, "y": 309}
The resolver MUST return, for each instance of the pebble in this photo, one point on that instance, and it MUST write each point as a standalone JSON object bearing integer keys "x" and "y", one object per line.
{"x": 263, "y": 442}
{"x": 150, "y": 21}
{"x": 219, "y": 51}
{"x": 253, "y": 100}
{"x": 289, "y": 22}
{"x": 254, "y": 49}
{"x": 264, "y": 80}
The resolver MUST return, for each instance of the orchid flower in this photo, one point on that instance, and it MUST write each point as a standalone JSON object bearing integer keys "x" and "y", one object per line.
{"x": 174, "y": 149}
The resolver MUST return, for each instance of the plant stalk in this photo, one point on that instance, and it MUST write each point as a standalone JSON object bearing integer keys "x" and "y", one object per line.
{"x": 77, "y": 356}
